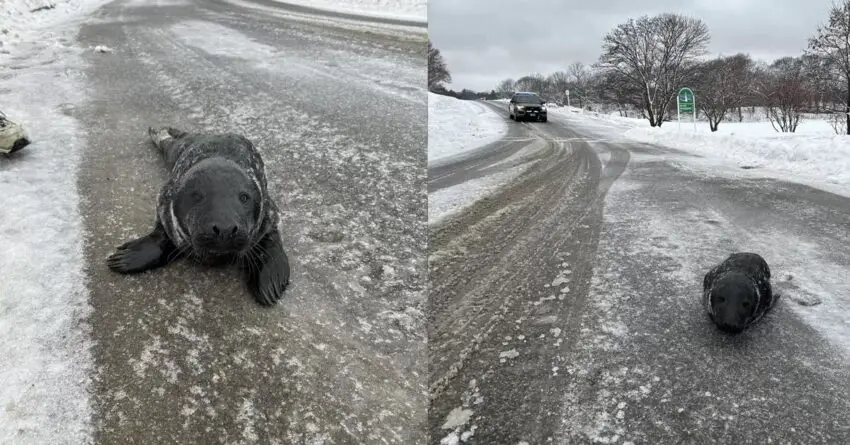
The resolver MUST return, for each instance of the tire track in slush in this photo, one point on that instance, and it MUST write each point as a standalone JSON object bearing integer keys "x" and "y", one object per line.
{"x": 508, "y": 277}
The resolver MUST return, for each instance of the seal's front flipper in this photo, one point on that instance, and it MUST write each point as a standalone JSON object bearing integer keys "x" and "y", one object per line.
{"x": 142, "y": 254}
{"x": 268, "y": 270}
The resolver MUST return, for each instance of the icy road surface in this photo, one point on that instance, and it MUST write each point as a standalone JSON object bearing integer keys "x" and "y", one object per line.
{"x": 565, "y": 307}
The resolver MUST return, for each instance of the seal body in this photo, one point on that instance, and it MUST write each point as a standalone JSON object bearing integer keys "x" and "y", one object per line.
{"x": 215, "y": 207}
{"x": 737, "y": 292}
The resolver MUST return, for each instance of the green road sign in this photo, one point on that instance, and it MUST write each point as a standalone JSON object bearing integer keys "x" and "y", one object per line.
{"x": 686, "y": 100}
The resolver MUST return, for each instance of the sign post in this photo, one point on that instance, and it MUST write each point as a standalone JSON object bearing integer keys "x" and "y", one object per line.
{"x": 686, "y": 103}
{"x": 567, "y": 92}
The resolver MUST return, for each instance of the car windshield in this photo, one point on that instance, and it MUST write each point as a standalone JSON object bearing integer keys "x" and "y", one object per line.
{"x": 527, "y": 99}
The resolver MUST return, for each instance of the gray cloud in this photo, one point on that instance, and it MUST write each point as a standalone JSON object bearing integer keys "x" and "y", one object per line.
{"x": 485, "y": 41}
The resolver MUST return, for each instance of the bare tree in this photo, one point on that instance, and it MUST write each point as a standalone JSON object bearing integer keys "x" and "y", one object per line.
{"x": 832, "y": 42}
{"x": 579, "y": 82}
{"x": 722, "y": 85}
{"x": 556, "y": 84}
{"x": 505, "y": 88}
{"x": 823, "y": 77}
{"x": 438, "y": 73}
{"x": 534, "y": 83}
{"x": 614, "y": 87}
{"x": 786, "y": 93}
{"x": 655, "y": 54}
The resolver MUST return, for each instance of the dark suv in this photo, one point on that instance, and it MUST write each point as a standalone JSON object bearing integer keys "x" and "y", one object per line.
{"x": 524, "y": 106}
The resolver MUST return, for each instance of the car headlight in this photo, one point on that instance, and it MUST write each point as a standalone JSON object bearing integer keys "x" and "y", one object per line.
{"x": 521, "y": 107}
{"x": 543, "y": 108}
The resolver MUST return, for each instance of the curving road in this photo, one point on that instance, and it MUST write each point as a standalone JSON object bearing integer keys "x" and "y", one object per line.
{"x": 338, "y": 107}
{"x": 565, "y": 307}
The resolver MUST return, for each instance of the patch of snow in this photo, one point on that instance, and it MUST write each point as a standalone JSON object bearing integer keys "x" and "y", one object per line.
{"x": 224, "y": 41}
{"x": 447, "y": 201}
{"x": 31, "y": 20}
{"x": 44, "y": 344}
{"x": 413, "y": 10}
{"x": 456, "y": 126}
{"x": 456, "y": 418}
{"x": 450, "y": 439}
{"x": 813, "y": 155}
{"x": 509, "y": 354}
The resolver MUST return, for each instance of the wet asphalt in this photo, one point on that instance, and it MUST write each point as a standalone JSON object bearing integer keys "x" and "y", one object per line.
{"x": 338, "y": 109}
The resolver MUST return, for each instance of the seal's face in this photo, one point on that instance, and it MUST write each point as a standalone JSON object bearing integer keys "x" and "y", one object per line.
{"x": 734, "y": 300}
{"x": 218, "y": 206}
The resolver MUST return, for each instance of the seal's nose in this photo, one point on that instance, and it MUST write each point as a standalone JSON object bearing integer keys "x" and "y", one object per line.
{"x": 224, "y": 230}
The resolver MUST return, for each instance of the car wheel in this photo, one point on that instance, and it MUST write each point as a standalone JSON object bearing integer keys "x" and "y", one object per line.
{"x": 545, "y": 119}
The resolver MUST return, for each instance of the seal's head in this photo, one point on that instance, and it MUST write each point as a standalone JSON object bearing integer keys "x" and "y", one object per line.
{"x": 734, "y": 299}
{"x": 219, "y": 206}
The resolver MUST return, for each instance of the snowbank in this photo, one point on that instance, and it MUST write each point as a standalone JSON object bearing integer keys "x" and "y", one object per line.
{"x": 455, "y": 126}
{"x": 44, "y": 348}
{"x": 813, "y": 155}
{"x": 414, "y": 10}
{"x": 29, "y": 20}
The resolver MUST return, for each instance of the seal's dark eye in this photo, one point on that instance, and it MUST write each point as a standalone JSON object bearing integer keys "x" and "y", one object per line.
{"x": 197, "y": 197}
{"x": 244, "y": 197}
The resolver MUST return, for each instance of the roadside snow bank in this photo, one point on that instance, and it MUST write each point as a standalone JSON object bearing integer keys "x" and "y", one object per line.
{"x": 814, "y": 153}
{"x": 45, "y": 356}
{"x": 28, "y": 20}
{"x": 455, "y": 126}
{"x": 414, "y": 10}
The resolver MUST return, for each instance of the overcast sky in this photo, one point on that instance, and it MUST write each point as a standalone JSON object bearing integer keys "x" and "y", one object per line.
{"x": 485, "y": 41}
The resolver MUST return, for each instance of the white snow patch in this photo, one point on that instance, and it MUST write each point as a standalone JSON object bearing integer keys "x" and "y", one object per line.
{"x": 44, "y": 345}
{"x": 413, "y": 10}
{"x": 456, "y": 126}
{"x": 813, "y": 155}
{"x": 457, "y": 417}
{"x": 451, "y": 439}
{"x": 37, "y": 20}
{"x": 221, "y": 40}
{"x": 246, "y": 416}
{"x": 505, "y": 355}
{"x": 447, "y": 201}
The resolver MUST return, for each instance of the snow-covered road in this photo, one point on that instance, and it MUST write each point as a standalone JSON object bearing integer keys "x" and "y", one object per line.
{"x": 565, "y": 307}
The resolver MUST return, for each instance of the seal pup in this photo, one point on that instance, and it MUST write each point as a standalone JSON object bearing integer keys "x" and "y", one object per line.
{"x": 215, "y": 207}
{"x": 737, "y": 292}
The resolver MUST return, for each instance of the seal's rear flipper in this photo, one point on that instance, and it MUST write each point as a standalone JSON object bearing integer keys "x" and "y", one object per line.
{"x": 148, "y": 252}
{"x": 268, "y": 273}
{"x": 161, "y": 134}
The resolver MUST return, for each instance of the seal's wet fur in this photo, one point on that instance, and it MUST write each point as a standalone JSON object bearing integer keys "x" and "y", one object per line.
{"x": 215, "y": 208}
{"x": 737, "y": 292}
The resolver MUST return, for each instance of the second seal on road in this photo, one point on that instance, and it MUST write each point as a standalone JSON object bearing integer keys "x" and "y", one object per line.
{"x": 737, "y": 292}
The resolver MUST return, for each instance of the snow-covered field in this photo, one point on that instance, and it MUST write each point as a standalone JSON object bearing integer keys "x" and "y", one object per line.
{"x": 401, "y": 9}
{"x": 813, "y": 155}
